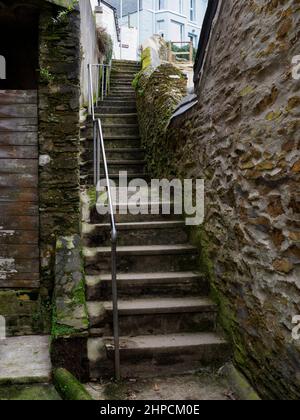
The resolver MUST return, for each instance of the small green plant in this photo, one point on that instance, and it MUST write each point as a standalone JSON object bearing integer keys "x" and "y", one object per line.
{"x": 45, "y": 75}
{"x": 63, "y": 14}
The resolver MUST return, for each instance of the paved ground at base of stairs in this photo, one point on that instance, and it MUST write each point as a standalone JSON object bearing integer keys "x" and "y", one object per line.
{"x": 207, "y": 386}
{"x": 28, "y": 393}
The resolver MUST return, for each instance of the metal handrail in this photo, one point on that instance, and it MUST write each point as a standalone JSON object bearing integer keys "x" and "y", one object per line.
{"x": 99, "y": 150}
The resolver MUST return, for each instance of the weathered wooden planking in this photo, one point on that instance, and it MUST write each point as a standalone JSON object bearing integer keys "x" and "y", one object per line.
{"x": 18, "y": 152}
{"x": 24, "y": 282}
{"x": 18, "y": 111}
{"x": 19, "y": 251}
{"x": 19, "y": 222}
{"x": 21, "y": 195}
{"x": 18, "y": 180}
{"x": 18, "y": 166}
{"x": 18, "y": 97}
{"x": 19, "y": 212}
{"x": 18, "y": 124}
{"x": 19, "y": 138}
{"x": 19, "y": 209}
{"x": 19, "y": 266}
{"x": 26, "y": 237}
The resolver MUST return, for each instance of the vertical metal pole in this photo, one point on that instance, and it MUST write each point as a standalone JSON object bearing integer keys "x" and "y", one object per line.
{"x": 115, "y": 308}
{"x": 121, "y": 31}
{"x": 95, "y": 154}
{"x": 102, "y": 82}
{"x": 89, "y": 82}
{"x": 98, "y": 81}
{"x": 92, "y": 110}
{"x": 138, "y": 28}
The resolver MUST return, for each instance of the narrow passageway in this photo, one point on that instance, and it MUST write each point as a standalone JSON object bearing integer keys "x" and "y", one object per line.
{"x": 167, "y": 321}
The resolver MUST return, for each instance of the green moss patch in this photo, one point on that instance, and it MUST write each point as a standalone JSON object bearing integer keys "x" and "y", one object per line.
{"x": 69, "y": 387}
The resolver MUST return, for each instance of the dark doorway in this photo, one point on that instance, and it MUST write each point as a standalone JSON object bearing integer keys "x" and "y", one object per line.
{"x": 19, "y": 44}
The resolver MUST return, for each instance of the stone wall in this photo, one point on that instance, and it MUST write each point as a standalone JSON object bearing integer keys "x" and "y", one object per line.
{"x": 59, "y": 94}
{"x": 243, "y": 138}
{"x": 89, "y": 48}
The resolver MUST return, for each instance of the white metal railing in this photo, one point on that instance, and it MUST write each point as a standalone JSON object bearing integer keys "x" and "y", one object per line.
{"x": 102, "y": 89}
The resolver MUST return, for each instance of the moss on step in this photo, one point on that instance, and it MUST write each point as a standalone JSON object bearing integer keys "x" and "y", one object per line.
{"x": 28, "y": 393}
{"x": 116, "y": 391}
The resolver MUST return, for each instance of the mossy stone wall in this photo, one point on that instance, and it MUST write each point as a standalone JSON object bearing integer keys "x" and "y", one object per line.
{"x": 243, "y": 139}
{"x": 59, "y": 102}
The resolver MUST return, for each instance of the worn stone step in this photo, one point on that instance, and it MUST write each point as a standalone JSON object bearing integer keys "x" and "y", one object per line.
{"x": 155, "y": 315}
{"x": 120, "y": 90}
{"x": 120, "y": 130}
{"x": 115, "y": 166}
{"x": 130, "y": 212}
{"x": 119, "y": 119}
{"x": 126, "y": 153}
{"x": 134, "y": 154}
{"x": 104, "y": 109}
{"x": 119, "y": 102}
{"x": 116, "y": 82}
{"x": 135, "y": 259}
{"x": 138, "y": 233}
{"x": 133, "y": 170}
{"x": 122, "y": 76}
{"x": 87, "y": 178}
{"x": 157, "y": 355}
{"x": 113, "y": 142}
{"x": 25, "y": 360}
{"x": 148, "y": 284}
{"x": 123, "y": 96}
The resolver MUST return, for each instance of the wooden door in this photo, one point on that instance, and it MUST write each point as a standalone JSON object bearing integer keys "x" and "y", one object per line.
{"x": 19, "y": 211}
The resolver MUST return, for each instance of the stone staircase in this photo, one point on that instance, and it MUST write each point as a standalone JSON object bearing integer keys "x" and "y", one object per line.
{"x": 167, "y": 320}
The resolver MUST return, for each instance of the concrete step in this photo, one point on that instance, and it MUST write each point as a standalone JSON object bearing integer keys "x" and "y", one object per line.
{"x": 87, "y": 178}
{"x": 138, "y": 233}
{"x": 122, "y": 76}
{"x": 126, "y": 153}
{"x": 122, "y": 96}
{"x": 129, "y": 212}
{"x": 115, "y": 166}
{"x": 148, "y": 284}
{"x": 135, "y": 259}
{"x": 117, "y": 81}
{"x": 116, "y": 89}
{"x": 155, "y": 315}
{"x": 119, "y": 102}
{"x": 25, "y": 360}
{"x": 104, "y": 109}
{"x": 113, "y": 142}
{"x": 157, "y": 355}
{"x": 111, "y": 130}
{"x": 133, "y": 155}
{"x": 119, "y": 119}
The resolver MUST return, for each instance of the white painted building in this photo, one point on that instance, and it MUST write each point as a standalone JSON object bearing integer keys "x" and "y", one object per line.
{"x": 175, "y": 20}
{"x": 107, "y": 17}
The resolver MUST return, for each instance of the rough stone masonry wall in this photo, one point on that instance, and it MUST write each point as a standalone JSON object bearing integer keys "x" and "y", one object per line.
{"x": 243, "y": 138}
{"x": 59, "y": 94}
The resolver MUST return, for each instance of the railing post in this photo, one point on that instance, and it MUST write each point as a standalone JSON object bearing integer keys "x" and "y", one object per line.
{"x": 115, "y": 308}
{"x": 191, "y": 52}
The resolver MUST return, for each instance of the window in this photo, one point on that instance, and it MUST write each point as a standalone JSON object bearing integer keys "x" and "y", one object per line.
{"x": 178, "y": 6}
{"x": 193, "y": 10}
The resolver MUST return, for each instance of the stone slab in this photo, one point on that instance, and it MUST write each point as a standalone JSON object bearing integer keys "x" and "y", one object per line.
{"x": 25, "y": 360}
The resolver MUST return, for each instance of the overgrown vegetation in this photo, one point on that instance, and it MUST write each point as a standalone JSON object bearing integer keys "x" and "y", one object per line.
{"x": 63, "y": 14}
{"x": 105, "y": 44}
